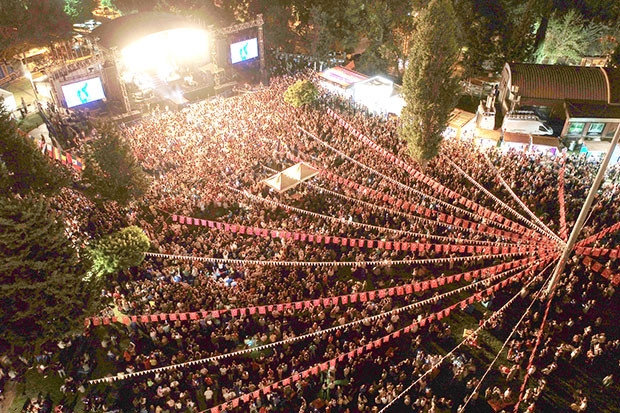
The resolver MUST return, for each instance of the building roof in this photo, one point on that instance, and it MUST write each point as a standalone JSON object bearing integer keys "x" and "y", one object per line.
{"x": 127, "y": 29}
{"x": 459, "y": 118}
{"x": 585, "y": 109}
{"x": 545, "y": 141}
{"x": 342, "y": 77}
{"x": 556, "y": 82}
{"x": 515, "y": 137}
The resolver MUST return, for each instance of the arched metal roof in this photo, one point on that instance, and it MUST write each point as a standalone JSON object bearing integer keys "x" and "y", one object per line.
{"x": 127, "y": 29}
{"x": 557, "y": 82}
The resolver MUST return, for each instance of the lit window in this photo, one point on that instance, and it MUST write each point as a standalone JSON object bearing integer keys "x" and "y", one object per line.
{"x": 596, "y": 129}
{"x": 576, "y": 128}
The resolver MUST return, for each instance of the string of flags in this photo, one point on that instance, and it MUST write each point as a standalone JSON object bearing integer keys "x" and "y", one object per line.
{"x": 596, "y": 266}
{"x": 541, "y": 225}
{"x": 598, "y": 252}
{"x": 342, "y": 220}
{"x": 56, "y": 153}
{"x": 595, "y": 237}
{"x": 478, "y": 296}
{"x": 561, "y": 200}
{"x": 505, "y": 206}
{"x": 457, "y": 247}
{"x": 404, "y": 208}
{"x": 325, "y": 302}
{"x": 432, "y": 216}
{"x": 466, "y": 338}
{"x": 491, "y": 215}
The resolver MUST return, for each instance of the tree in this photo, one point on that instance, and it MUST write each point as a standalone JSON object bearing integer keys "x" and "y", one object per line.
{"x": 112, "y": 172}
{"x": 31, "y": 23}
{"x": 568, "y": 39}
{"x": 42, "y": 292}
{"x": 430, "y": 86}
{"x": 300, "y": 93}
{"x": 26, "y": 168}
{"x": 80, "y": 11}
{"x": 119, "y": 251}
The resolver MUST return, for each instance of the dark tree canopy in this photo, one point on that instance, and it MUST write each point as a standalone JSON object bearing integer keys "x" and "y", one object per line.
{"x": 42, "y": 292}
{"x": 430, "y": 86}
{"x": 31, "y": 23}
{"x": 26, "y": 168}
{"x": 112, "y": 172}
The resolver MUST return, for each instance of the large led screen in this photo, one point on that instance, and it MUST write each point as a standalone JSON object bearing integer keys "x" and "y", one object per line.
{"x": 82, "y": 92}
{"x": 245, "y": 50}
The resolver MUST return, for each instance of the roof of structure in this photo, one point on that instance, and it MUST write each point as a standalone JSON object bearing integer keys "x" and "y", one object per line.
{"x": 585, "y": 109}
{"x": 127, "y": 29}
{"x": 558, "y": 82}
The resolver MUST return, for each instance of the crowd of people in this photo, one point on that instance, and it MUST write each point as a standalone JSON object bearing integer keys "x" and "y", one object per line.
{"x": 209, "y": 161}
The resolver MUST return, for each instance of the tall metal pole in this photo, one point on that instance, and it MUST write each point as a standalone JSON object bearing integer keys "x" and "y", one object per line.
{"x": 559, "y": 268}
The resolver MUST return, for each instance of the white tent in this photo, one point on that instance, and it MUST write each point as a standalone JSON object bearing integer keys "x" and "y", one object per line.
{"x": 281, "y": 182}
{"x": 8, "y": 100}
{"x": 291, "y": 177}
{"x": 301, "y": 171}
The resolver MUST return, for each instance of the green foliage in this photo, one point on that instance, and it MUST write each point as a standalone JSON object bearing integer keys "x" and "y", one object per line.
{"x": 112, "y": 172}
{"x": 430, "y": 86}
{"x": 31, "y": 23}
{"x": 27, "y": 168}
{"x": 569, "y": 38}
{"x": 42, "y": 292}
{"x": 484, "y": 29}
{"x": 118, "y": 251}
{"x": 300, "y": 93}
{"x": 80, "y": 11}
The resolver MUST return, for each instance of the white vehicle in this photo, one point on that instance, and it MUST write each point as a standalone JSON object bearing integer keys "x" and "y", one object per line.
{"x": 525, "y": 122}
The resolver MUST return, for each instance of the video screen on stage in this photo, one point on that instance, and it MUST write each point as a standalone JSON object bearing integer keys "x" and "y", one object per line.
{"x": 243, "y": 51}
{"x": 82, "y": 92}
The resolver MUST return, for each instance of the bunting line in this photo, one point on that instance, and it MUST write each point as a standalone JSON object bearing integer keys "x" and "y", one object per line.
{"x": 605, "y": 231}
{"x": 278, "y": 308}
{"x": 438, "y": 218}
{"x": 423, "y": 178}
{"x": 360, "y": 242}
{"x": 330, "y": 218}
{"x": 542, "y": 225}
{"x": 514, "y": 330}
{"x": 464, "y": 341}
{"x": 601, "y": 269}
{"x": 376, "y": 343}
{"x": 514, "y": 278}
{"x": 330, "y": 263}
{"x": 505, "y": 206}
{"x": 561, "y": 201}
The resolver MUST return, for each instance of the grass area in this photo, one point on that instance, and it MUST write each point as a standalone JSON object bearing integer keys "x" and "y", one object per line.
{"x": 30, "y": 122}
{"x": 33, "y": 385}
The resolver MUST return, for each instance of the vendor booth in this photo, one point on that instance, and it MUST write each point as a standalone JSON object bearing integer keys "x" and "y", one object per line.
{"x": 547, "y": 145}
{"x": 461, "y": 125}
{"x": 600, "y": 148}
{"x": 520, "y": 142}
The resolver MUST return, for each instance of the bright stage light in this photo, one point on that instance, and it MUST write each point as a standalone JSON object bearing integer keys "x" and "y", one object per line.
{"x": 166, "y": 49}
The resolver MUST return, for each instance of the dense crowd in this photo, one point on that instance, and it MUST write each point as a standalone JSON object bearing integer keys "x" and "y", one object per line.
{"x": 206, "y": 160}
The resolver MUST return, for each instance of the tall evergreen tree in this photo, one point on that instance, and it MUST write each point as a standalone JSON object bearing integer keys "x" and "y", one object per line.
{"x": 42, "y": 292}
{"x": 430, "y": 85}
{"x": 112, "y": 172}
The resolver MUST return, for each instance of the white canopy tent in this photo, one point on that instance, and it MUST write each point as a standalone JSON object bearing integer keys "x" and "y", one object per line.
{"x": 291, "y": 177}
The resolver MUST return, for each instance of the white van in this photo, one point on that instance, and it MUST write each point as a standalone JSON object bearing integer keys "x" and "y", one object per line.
{"x": 525, "y": 122}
